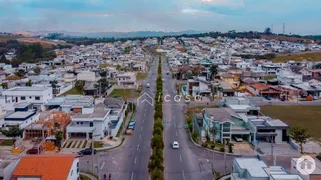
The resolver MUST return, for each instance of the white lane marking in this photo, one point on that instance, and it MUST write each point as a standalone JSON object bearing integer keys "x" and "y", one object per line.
{"x": 135, "y": 159}
{"x": 131, "y": 177}
{"x": 180, "y": 157}
{"x": 140, "y": 136}
{"x": 143, "y": 121}
{"x": 173, "y": 117}
{"x": 183, "y": 174}
{"x": 176, "y": 133}
{"x": 137, "y": 147}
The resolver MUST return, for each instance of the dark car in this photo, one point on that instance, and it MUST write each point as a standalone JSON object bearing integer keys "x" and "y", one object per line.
{"x": 87, "y": 151}
{"x": 34, "y": 150}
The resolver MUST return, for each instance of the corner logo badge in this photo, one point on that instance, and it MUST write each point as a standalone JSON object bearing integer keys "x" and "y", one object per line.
{"x": 305, "y": 165}
{"x": 145, "y": 97}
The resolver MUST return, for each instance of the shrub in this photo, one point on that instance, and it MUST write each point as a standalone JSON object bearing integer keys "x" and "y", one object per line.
{"x": 157, "y": 175}
{"x": 230, "y": 148}
{"x": 319, "y": 156}
{"x": 157, "y": 131}
{"x": 157, "y": 142}
{"x": 158, "y": 123}
{"x": 222, "y": 149}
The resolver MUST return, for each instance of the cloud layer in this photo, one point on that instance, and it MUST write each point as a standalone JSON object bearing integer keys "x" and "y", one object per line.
{"x": 133, "y": 15}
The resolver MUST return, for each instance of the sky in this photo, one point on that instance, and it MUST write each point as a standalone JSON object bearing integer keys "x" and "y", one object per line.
{"x": 299, "y": 16}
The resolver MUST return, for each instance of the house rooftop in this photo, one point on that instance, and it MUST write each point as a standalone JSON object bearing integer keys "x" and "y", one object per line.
{"x": 46, "y": 167}
{"x": 99, "y": 113}
{"x": 254, "y": 166}
{"x": 19, "y": 115}
{"x": 33, "y": 88}
{"x": 220, "y": 114}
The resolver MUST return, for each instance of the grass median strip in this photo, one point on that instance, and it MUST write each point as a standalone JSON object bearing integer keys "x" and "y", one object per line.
{"x": 156, "y": 163}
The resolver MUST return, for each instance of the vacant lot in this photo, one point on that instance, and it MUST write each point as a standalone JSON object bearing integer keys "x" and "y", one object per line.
{"x": 307, "y": 116}
{"x": 309, "y": 56}
{"x": 141, "y": 76}
{"x": 72, "y": 91}
{"x": 125, "y": 93}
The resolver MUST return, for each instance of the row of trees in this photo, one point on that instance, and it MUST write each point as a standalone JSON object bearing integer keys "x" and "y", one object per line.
{"x": 156, "y": 163}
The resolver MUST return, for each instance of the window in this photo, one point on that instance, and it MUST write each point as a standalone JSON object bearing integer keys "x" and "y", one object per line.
{"x": 37, "y": 98}
{"x": 77, "y": 122}
{"x": 23, "y": 98}
{"x": 81, "y": 123}
{"x": 72, "y": 171}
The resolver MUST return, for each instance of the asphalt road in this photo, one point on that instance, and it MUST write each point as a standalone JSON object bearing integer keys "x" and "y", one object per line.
{"x": 130, "y": 161}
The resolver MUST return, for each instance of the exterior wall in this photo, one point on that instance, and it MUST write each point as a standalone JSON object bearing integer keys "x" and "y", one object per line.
{"x": 278, "y": 137}
{"x": 99, "y": 129}
{"x": 86, "y": 76}
{"x": 7, "y": 171}
{"x": 26, "y": 122}
{"x": 74, "y": 170}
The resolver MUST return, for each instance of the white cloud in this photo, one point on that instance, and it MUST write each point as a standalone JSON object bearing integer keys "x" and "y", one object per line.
{"x": 222, "y": 3}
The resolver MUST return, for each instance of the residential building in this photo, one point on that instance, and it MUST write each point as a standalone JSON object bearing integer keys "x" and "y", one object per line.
{"x": 87, "y": 76}
{"x": 127, "y": 78}
{"x": 264, "y": 90}
{"x": 198, "y": 86}
{"x": 253, "y": 168}
{"x": 7, "y": 167}
{"x": 45, "y": 167}
{"x": 22, "y": 116}
{"x": 315, "y": 175}
{"x": 38, "y": 96}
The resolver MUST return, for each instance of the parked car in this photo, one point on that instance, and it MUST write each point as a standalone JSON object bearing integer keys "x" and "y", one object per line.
{"x": 315, "y": 98}
{"x": 87, "y": 151}
{"x": 131, "y": 124}
{"x": 268, "y": 98}
{"x": 175, "y": 145}
{"x": 148, "y": 85}
{"x": 34, "y": 150}
{"x": 167, "y": 72}
{"x": 238, "y": 139}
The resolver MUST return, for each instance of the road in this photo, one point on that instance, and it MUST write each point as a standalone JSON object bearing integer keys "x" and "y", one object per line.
{"x": 189, "y": 162}
{"x": 130, "y": 161}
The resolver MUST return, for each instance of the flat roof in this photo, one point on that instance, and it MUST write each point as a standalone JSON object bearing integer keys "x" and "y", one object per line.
{"x": 239, "y": 107}
{"x": 20, "y": 114}
{"x": 253, "y": 166}
{"x": 28, "y": 89}
{"x": 22, "y": 105}
{"x": 98, "y": 113}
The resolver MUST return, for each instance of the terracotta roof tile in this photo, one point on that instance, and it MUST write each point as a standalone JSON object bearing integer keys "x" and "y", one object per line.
{"x": 48, "y": 167}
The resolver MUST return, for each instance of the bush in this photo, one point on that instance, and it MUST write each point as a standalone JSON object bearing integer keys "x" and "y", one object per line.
{"x": 157, "y": 142}
{"x": 157, "y": 131}
{"x": 157, "y": 175}
{"x": 230, "y": 148}
{"x": 222, "y": 149}
{"x": 319, "y": 156}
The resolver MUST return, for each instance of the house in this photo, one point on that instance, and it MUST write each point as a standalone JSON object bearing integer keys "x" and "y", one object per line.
{"x": 47, "y": 167}
{"x": 2, "y": 76}
{"x": 22, "y": 116}
{"x": 37, "y": 95}
{"x": 198, "y": 86}
{"x": 289, "y": 77}
{"x": 87, "y": 76}
{"x": 126, "y": 79}
{"x": 315, "y": 175}
{"x": 97, "y": 121}
{"x": 264, "y": 90}
{"x": 215, "y": 118}
{"x": 253, "y": 168}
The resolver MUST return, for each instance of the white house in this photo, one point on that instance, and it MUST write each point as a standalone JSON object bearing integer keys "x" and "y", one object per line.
{"x": 37, "y": 95}
{"x": 125, "y": 79}
{"x": 87, "y": 76}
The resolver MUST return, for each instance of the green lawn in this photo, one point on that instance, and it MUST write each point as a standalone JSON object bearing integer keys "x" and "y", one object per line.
{"x": 307, "y": 116}
{"x": 98, "y": 144}
{"x": 124, "y": 93}
{"x": 309, "y": 56}
{"x": 8, "y": 142}
{"x": 141, "y": 76}
{"x": 72, "y": 91}
{"x": 269, "y": 77}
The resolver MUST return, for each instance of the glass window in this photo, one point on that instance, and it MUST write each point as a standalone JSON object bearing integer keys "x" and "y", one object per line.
{"x": 23, "y": 98}
{"x": 37, "y": 98}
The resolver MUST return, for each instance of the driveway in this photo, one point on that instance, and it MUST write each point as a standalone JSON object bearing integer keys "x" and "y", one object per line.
{"x": 279, "y": 149}
{"x": 243, "y": 148}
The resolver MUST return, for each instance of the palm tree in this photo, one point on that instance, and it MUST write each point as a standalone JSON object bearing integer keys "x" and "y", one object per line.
{"x": 213, "y": 71}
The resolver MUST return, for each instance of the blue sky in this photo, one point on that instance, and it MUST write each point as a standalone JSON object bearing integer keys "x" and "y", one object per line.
{"x": 300, "y": 16}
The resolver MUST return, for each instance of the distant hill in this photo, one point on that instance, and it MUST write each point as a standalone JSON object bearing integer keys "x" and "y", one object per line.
{"x": 109, "y": 34}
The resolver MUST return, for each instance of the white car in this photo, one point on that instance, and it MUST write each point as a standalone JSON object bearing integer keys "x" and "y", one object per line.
{"x": 148, "y": 85}
{"x": 175, "y": 145}
{"x": 238, "y": 139}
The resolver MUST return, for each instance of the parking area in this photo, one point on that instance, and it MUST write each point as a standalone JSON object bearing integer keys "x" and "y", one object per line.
{"x": 242, "y": 148}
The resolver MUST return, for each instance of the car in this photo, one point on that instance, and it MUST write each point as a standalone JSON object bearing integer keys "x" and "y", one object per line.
{"x": 34, "y": 150}
{"x": 163, "y": 79}
{"x": 131, "y": 124}
{"x": 148, "y": 85}
{"x": 87, "y": 151}
{"x": 238, "y": 139}
{"x": 167, "y": 72}
{"x": 268, "y": 98}
{"x": 175, "y": 145}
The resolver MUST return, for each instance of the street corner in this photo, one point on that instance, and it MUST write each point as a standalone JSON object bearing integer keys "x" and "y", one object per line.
{"x": 145, "y": 98}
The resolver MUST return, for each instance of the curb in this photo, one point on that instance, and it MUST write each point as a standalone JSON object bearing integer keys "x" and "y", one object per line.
{"x": 88, "y": 175}
{"x": 112, "y": 148}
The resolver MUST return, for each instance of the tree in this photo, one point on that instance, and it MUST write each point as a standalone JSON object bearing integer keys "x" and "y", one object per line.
{"x": 20, "y": 73}
{"x": 268, "y": 31}
{"x": 29, "y": 83}
{"x": 37, "y": 70}
{"x": 54, "y": 84}
{"x": 13, "y": 132}
{"x": 213, "y": 131}
{"x": 59, "y": 137}
{"x": 213, "y": 71}
{"x": 300, "y": 135}
{"x": 102, "y": 85}
{"x": 79, "y": 85}
{"x": 4, "y": 85}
